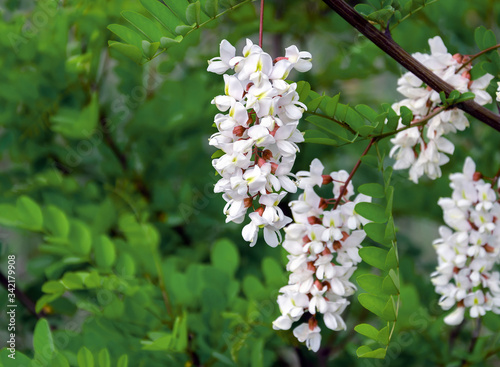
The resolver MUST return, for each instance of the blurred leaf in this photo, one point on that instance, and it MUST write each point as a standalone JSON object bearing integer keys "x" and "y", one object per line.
{"x": 85, "y": 358}
{"x": 29, "y": 213}
{"x": 367, "y": 330}
{"x": 43, "y": 343}
{"x": 103, "y": 358}
{"x": 105, "y": 253}
{"x": 374, "y": 190}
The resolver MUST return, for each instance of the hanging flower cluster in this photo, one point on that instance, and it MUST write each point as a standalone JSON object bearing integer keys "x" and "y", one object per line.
{"x": 469, "y": 248}
{"x": 424, "y": 149}
{"x": 258, "y": 135}
{"x": 323, "y": 244}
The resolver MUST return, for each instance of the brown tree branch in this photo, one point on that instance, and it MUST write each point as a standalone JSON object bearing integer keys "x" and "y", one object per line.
{"x": 392, "y": 49}
{"x": 22, "y": 297}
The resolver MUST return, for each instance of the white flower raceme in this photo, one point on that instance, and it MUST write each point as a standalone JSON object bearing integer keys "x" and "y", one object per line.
{"x": 423, "y": 149}
{"x": 323, "y": 244}
{"x": 469, "y": 248}
{"x": 257, "y": 135}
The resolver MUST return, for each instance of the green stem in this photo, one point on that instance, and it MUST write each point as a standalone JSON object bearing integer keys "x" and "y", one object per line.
{"x": 412, "y": 12}
{"x": 477, "y": 55}
{"x": 421, "y": 122}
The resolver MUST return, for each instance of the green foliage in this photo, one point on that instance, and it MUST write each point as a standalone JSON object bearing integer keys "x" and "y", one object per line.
{"x": 171, "y": 21}
{"x": 107, "y": 189}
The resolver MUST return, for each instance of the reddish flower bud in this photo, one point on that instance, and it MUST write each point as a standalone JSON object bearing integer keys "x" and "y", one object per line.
{"x": 313, "y": 220}
{"x": 238, "y": 130}
{"x": 306, "y": 239}
{"x": 250, "y": 120}
{"x": 477, "y": 176}
{"x": 274, "y": 167}
{"x": 327, "y": 179}
{"x": 310, "y": 266}
{"x": 247, "y": 202}
{"x": 326, "y": 251}
{"x": 261, "y": 162}
{"x": 274, "y": 130}
{"x": 460, "y": 303}
{"x": 489, "y": 248}
{"x": 337, "y": 245}
{"x": 323, "y": 204}
{"x": 466, "y": 74}
{"x": 345, "y": 235}
{"x": 260, "y": 210}
{"x": 458, "y": 57}
{"x": 318, "y": 284}
{"x": 312, "y": 323}
{"x": 267, "y": 154}
{"x": 456, "y": 270}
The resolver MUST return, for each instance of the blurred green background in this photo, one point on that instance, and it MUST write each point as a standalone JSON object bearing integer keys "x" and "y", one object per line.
{"x": 106, "y": 190}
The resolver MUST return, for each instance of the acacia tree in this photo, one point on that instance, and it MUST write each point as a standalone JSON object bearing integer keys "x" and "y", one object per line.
{"x": 348, "y": 282}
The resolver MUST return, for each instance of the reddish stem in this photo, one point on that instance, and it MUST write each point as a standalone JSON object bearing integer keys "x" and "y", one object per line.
{"x": 261, "y": 27}
{"x": 344, "y": 187}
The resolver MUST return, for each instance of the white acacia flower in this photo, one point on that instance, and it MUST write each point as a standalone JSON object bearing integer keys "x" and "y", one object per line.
{"x": 258, "y": 135}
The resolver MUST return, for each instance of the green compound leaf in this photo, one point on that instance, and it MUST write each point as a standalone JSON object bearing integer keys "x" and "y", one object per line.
{"x": 85, "y": 358}
{"x": 29, "y": 214}
{"x": 317, "y": 137}
{"x": 374, "y": 256}
{"x": 225, "y": 256}
{"x": 80, "y": 238}
{"x": 103, "y": 358}
{"x": 370, "y": 283}
{"x": 366, "y": 352}
{"x": 374, "y": 212}
{"x": 43, "y": 343}
{"x": 374, "y": 190}
{"x": 56, "y": 222}
{"x": 105, "y": 252}
{"x": 144, "y": 25}
{"x": 406, "y": 115}
{"x": 163, "y": 14}
{"x": 367, "y": 330}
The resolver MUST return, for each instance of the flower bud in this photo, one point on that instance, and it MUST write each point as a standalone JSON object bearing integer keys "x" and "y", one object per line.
{"x": 267, "y": 154}
{"x": 313, "y": 220}
{"x": 458, "y": 57}
{"x": 238, "y": 130}
{"x": 318, "y": 284}
{"x": 313, "y": 323}
{"x": 247, "y": 202}
{"x": 327, "y": 179}
{"x": 274, "y": 167}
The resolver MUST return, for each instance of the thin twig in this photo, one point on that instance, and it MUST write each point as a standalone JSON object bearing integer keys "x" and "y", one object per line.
{"x": 392, "y": 49}
{"x": 476, "y": 56}
{"x": 22, "y": 297}
{"x": 346, "y": 183}
{"x": 261, "y": 24}
{"x": 415, "y": 123}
